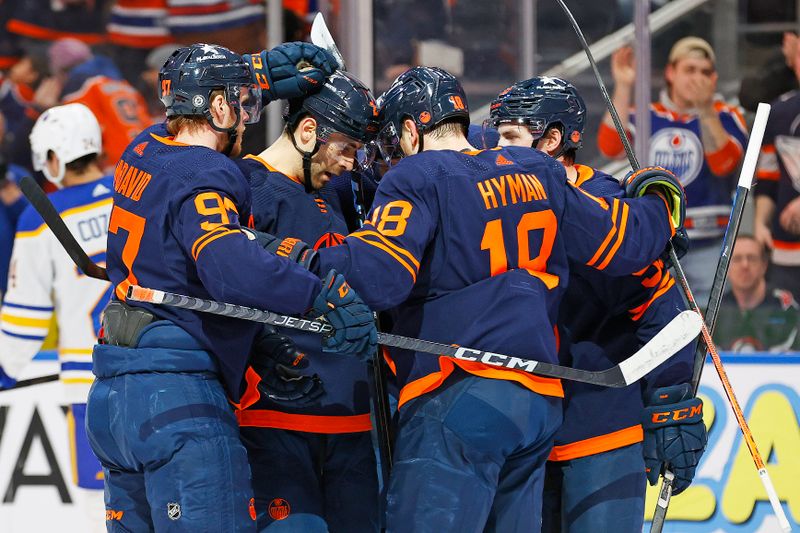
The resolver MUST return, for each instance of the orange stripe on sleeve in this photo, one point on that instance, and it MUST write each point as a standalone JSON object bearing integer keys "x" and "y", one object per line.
{"x": 393, "y": 246}
{"x": 620, "y": 237}
{"x": 609, "y": 236}
{"x": 725, "y": 160}
{"x": 208, "y": 238}
{"x": 666, "y": 284}
{"x": 391, "y": 252}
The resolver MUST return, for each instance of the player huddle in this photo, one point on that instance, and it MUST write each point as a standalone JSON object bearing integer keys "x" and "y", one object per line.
{"x": 205, "y": 423}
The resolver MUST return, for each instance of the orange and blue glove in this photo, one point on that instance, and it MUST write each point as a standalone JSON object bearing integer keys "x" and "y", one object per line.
{"x": 282, "y": 370}
{"x": 354, "y": 331}
{"x": 674, "y": 435}
{"x": 290, "y": 70}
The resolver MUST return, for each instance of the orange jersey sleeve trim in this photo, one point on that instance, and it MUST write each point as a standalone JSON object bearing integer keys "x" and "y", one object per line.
{"x": 207, "y": 238}
{"x": 620, "y": 237}
{"x": 599, "y": 444}
{"x": 608, "y": 141}
{"x": 379, "y": 245}
{"x": 610, "y": 235}
{"x": 725, "y": 160}
{"x": 46, "y": 34}
{"x": 423, "y": 385}
{"x": 267, "y": 418}
{"x": 399, "y": 249}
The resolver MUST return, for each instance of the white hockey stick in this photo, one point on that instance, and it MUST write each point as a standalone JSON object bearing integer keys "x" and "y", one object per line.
{"x": 678, "y": 333}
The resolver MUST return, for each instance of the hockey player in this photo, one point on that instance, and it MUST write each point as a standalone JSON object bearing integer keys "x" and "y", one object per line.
{"x": 65, "y": 143}
{"x": 313, "y": 464}
{"x": 595, "y": 478}
{"x": 470, "y": 247}
{"x": 158, "y": 415}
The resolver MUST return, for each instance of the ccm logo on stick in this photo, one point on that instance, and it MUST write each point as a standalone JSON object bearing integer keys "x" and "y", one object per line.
{"x": 495, "y": 359}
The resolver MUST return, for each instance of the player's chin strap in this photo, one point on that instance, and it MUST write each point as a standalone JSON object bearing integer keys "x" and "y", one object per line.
{"x": 306, "y": 162}
{"x": 232, "y": 132}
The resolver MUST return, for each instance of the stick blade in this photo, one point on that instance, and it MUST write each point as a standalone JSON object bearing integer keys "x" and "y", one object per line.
{"x": 321, "y": 36}
{"x": 681, "y": 330}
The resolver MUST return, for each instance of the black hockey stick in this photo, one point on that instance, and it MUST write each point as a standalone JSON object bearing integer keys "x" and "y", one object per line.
{"x": 677, "y": 334}
{"x": 39, "y": 200}
{"x": 681, "y": 276}
{"x": 715, "y": 299}
{"x": 32, "y": 381}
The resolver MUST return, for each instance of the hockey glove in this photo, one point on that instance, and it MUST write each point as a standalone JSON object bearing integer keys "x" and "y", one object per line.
{"x": 674, "y": 435}
{"x": 292, "y": 249}
{"x": 353, "y": 324}
{"x": 6, "y": 381}
{"x": 280, "y": 365}
{"x": 657, "y": 180}
{"x": 290, "y": 70}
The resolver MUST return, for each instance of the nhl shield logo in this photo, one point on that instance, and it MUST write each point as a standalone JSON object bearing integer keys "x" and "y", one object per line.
{"x": 173, "y": 511}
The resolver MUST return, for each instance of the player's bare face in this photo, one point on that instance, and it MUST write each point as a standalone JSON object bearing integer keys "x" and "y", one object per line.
{"x": 334, "y": 157}
{"x": 514, "y": 135}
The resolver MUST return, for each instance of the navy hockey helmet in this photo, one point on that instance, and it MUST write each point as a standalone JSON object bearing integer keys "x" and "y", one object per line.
{"x": 426, "y": 95}
{"x": 541, "y": 103}
{"x": 192, "y": 73}
{"x": 343, "y": 105}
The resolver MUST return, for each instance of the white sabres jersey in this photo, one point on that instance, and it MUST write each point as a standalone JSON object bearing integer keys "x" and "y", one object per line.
{"x": 43, "y": 279}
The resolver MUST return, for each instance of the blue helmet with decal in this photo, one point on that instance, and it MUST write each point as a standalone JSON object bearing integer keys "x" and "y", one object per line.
{"x": 192, "y": 73}
{"x": 539, "y": 104}
{"x": 343, "y": 105}
{"x": 426, "y": 95}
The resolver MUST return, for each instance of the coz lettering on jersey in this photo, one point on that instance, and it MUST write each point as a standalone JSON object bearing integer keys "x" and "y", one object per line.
{"x": 129, "y": 181}
{"x": 93, "y": 228}
{"x": 510, "y": 189}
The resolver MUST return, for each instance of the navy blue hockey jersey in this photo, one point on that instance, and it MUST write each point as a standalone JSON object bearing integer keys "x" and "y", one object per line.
{"x": 603, "y": 320}
{"x": 281, "y": 206}
{"x": 471, "y": 248}
{"x": 175, "y": 227}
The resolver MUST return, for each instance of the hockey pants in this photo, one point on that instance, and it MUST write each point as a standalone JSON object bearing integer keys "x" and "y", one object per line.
{"x": 602, "y": 492}
{"x": 470, "y": 457}
{"x": 161, "y": 425}
{"x": 313, "y": 482}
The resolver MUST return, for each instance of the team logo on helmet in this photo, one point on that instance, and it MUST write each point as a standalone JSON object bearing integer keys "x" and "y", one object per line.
{"x": 575, "y": 136}
{"x": 173, "y": 511}
{"x": 279, "y": 509}
{"x": 424, "y": 117}
{"x": 198, "y": 100}
{"x": 252, "y": 508}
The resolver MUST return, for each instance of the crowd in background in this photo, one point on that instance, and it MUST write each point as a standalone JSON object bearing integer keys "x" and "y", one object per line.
{"x": 106, "y": 54}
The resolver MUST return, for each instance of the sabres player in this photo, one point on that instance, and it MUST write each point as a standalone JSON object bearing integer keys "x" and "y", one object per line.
{"x": 159, "y": 416}
{"x": 595, "y": 477}
{"x": 470, "y": 247}
{"x": 313, "y": 462}
{"x": 43, "y": 280}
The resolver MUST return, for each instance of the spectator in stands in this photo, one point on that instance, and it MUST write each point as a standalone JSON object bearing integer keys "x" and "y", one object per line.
{"x": 777, "y": 215}
{"x": 18, "y": 107}
{"x": 38, "y": 22}
{"x": 95, "y": 81}
{"x": 12, "y": 203}
{"x": 774, "y": 77}
{"x": 755, "y": 315}
{"x": 696, "y": 135}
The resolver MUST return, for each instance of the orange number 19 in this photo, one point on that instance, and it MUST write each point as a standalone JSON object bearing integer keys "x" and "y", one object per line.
{"x": 536, "y": 266}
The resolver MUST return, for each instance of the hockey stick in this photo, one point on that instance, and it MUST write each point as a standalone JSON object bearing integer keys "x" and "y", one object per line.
{"x": 712, "y": 309}
{"x": 321, "y": 36}
{"x": 32, "y": 381}
{"x": 39, "y": 200}
{"x": 706, "y": 334}
{"x": 677, "y": 334}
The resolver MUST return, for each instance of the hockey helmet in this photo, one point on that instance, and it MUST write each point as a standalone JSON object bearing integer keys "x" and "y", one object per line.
{"x": 192, "y": 73}
{"x": 426, "y": 95}
{"x": 70, "y": 131}
{"x": 538, "y": 104}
